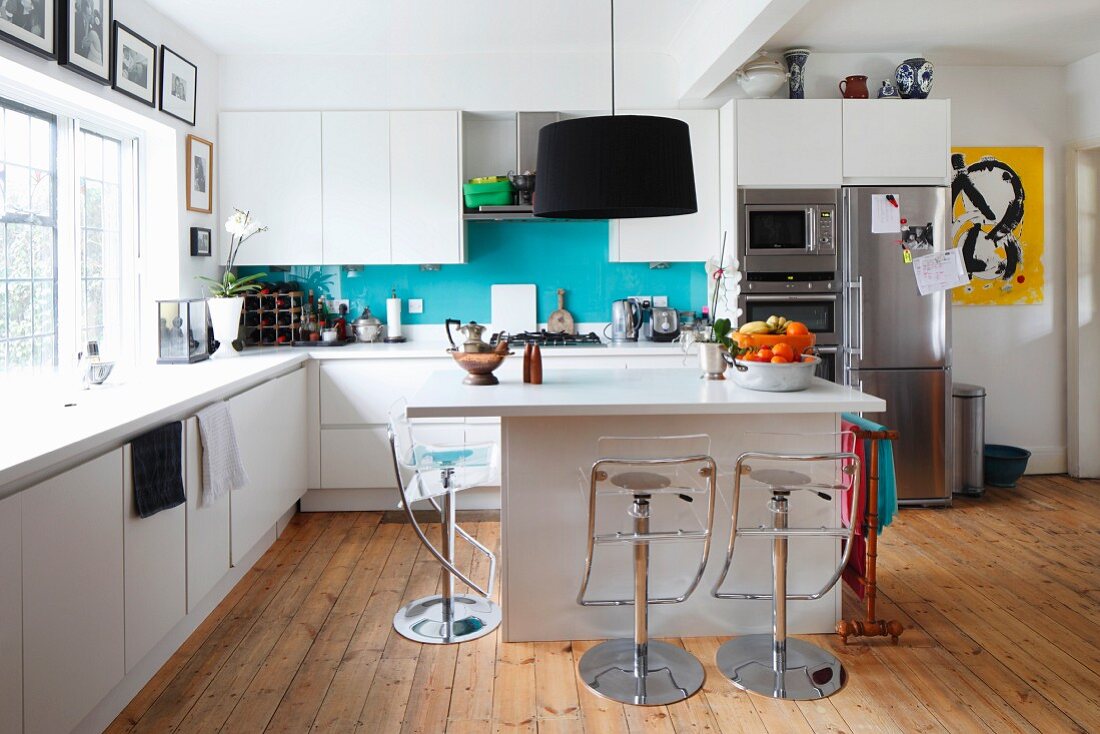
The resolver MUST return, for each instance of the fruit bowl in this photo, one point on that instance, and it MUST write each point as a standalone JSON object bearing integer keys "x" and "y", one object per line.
{"x": 799, "y": 342}
{"x": 479, "y": 365}
{"x": 770, "y": 377}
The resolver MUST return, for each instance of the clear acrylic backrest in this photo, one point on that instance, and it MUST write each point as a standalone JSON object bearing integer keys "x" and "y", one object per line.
{"x": 401, "y": 430}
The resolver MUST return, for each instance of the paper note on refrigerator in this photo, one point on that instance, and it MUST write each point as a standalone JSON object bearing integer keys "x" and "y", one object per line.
{"x": 940, "y": 271}
{"x": 885, "y": 213}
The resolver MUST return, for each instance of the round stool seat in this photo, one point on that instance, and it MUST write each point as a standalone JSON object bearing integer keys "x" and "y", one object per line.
{"x": 640, "y": 481}
{"x": 780, "y": 478}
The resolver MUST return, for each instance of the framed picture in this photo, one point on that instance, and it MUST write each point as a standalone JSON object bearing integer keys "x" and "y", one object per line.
{"x": 31, "y": 25}
{"x": 178, "y": 79}
{"x": 200, "y": 242}
{"x": 84, "y": 40}
{"x": 134, "y": 71}
{"x": 200, "y": 175}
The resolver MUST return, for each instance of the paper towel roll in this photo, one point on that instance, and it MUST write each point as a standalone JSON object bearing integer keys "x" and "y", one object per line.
{"x": 393, "y": 317}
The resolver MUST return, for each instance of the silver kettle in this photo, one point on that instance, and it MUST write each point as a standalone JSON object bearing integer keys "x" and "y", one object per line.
{"x": 626, "y": 320}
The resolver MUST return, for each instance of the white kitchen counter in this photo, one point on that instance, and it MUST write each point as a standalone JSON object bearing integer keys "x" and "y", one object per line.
{"x": 421, "y": 349}
{"x": 584, "y": 392}
{"x": 51, "y": 423}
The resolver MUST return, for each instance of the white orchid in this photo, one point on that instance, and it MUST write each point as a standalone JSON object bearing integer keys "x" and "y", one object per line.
{"x": 240, "y": 225}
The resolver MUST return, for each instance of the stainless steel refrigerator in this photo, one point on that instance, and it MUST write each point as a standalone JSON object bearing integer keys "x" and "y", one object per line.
{"x": 898, "y": 342}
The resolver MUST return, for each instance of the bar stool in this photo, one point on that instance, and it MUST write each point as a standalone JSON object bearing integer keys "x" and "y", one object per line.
{"x": 643, "y": 471}
{"x": 435, "y": 474}
{"x": 773, "y": 665}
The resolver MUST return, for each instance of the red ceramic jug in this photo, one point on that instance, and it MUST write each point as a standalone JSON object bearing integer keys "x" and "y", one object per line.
{"x": 853, "y": 87}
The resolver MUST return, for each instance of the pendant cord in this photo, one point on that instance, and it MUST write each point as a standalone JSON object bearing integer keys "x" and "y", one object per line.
{"x": 612, "y": 58}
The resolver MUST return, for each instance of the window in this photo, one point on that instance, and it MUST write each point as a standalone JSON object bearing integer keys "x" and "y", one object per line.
{"x": 66, "y": 260}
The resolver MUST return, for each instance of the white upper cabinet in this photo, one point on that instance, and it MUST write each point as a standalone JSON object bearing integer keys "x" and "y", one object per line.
{"x": 686, "y": 238}
{"x": 789, "y": 142}
{"x": 426, "y": 187}
{"x": 271, "y": 165}
{"x": 356, "y": 173}
{"x": 887, "y": 141}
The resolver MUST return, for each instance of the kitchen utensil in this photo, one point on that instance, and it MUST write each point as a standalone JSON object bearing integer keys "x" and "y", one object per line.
{"x": 525, "y": 186}
{"x": 713, "y": 360}
{"x": 769, "y": 377}
{"x": 853, "y": 87}
{"x": 560, "y": 321}
{"x": 761, "y": 77}
{"x": 96, "y": 373}
{"x": 665, "y": 324}
{"x": 474, "y": 344}
{"x": 514, "y": 308}
{"x": 799, "y": 342}
{"x": 626, "y": 320}
{"x": 888, "y": 90}
{"x": 367, "y": 327}
{"x": 487, "y": 193}
{"x": 475, "y": 356}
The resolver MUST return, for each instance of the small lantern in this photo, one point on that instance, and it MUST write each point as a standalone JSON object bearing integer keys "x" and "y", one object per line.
{"x": 183, "y": 326}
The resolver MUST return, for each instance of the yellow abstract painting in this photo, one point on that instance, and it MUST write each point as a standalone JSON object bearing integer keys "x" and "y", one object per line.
{"x": 997, "y": 212}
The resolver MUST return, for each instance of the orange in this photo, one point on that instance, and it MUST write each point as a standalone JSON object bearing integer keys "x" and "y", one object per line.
{"x": 783, "y": 350}
{"x": 764, "y": 355}
{"x": 780, "y": 360}
{"x": 797, "y": 328}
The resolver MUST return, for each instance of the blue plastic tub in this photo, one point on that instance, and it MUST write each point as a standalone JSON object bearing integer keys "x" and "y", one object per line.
{"x": 1004, "y": 464}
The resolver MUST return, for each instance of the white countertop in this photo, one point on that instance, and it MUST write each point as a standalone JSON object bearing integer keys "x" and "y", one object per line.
{"x": 421, "y": 349}
{"x": 586, "y": 392}
{"x": 50, "y": 421}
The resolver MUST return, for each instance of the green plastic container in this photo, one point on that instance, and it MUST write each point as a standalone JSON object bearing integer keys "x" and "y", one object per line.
{"x": 488, "y": 194}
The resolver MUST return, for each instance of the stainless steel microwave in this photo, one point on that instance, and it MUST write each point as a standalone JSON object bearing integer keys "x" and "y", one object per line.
{"x": 792, "y": 230}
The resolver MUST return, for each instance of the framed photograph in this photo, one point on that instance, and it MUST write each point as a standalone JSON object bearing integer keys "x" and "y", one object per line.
{"x": 200, "y": 242}
{"x": 134, "y": 71}
{"x": 84, "y": 40}
{"x": 30, "y": 25}
{"x": 178, "y": 79}
{"x": 200, "y": 175}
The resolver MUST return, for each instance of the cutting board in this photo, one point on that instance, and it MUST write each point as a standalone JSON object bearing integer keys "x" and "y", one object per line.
{"x": 515, "y": 308}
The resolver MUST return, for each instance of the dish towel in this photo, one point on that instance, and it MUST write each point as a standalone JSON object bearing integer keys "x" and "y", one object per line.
{"x": 887, "y": 496}
{"x": 158, "y": 469}
{"x": 222, "y": 470}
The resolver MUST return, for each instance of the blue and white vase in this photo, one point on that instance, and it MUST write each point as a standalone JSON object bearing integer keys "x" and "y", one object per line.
{"x": 888, "y": 90}
{"x": 914, "y": 77}
{"x": 796, "y": 67}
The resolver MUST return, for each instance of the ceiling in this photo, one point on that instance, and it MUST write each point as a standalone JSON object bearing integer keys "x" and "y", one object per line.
{"x": 961, "y": 32}
{"x": 414, "y": 27}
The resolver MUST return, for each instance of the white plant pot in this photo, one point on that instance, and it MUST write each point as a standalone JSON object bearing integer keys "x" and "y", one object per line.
{"x": 225, "y": 317}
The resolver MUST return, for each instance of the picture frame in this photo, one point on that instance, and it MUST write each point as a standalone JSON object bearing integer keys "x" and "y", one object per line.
{"x": 32, "y": 27}
{"x": 201, "y": 242}
{"x": 200, "y": 175}
{"x": 134, "y": 67}
{"x": 179, "y": 80}
{"x": 84, "y": 39}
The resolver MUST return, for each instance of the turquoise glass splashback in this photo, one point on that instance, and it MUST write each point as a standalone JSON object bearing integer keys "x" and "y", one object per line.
{"x": 552, "y": 255}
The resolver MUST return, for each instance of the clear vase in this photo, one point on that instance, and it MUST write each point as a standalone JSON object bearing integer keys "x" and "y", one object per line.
{"x": 225, "y": 317}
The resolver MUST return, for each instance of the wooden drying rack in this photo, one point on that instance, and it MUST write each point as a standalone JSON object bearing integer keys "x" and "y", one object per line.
{"x": 869, "y": 626}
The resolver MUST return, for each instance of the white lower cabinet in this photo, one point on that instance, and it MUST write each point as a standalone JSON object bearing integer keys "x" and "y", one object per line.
{"x": 73, "y": 594}
{"x": 11, "y": 615}
{"x": 207, "y": 527}
{"x": 155, "y": 564}
{"x": 270, "y": 425}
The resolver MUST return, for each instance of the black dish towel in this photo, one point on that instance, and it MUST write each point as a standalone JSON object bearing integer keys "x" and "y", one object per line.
{"x": 158, "y": 469}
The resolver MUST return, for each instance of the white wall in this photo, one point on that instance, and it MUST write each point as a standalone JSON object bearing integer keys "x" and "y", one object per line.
{"x": 488, "y": 82}
{"x": 158, "y": 29}
{"x": 1084, "y": 102}
{"x": 1017, "y": 352}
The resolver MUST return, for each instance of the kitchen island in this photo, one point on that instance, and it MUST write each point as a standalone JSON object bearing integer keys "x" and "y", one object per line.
{"x": 549, "y": 437}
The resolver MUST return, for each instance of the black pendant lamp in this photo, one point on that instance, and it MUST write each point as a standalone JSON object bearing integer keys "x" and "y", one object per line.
{"x": 615, "y": 166}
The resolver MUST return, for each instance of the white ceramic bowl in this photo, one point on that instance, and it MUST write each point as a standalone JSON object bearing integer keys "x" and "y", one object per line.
{"x": 769, "y": 377}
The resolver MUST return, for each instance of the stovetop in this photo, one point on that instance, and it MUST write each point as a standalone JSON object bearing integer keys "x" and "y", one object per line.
{"x": 546, "y": 339}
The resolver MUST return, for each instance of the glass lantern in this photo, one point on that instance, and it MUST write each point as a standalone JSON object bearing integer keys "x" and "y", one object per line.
{"x": 184, "y": 328}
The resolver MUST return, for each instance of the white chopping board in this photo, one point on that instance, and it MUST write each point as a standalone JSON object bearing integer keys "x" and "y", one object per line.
{"x": 515, "y": 308}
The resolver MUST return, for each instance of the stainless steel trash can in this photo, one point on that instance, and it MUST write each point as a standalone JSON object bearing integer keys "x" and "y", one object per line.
{"x": 969, "y": 404}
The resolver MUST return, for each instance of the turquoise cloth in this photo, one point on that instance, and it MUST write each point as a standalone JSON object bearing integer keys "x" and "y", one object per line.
{"x": 887, "y": 481}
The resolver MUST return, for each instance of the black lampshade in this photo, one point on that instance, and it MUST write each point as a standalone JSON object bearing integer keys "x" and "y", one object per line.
{"x": 615, "y": 167}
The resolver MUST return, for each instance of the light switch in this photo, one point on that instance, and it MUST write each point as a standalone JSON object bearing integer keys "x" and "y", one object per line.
{"x": 416, "y": 305}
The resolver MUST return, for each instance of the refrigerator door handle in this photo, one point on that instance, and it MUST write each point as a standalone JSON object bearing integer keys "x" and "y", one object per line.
{"x": 855, "y": 319}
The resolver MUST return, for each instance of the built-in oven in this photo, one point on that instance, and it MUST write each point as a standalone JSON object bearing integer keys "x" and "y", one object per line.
{"x": 819, "y": 312}
{"x": 788, "y": 229}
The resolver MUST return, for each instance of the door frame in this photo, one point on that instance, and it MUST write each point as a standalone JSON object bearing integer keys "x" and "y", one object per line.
{"x": 1083, "y": 307}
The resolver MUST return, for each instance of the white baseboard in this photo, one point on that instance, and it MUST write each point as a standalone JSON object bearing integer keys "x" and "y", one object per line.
{"x": 382, "y": 499}
{"x": 1047, "y": 460}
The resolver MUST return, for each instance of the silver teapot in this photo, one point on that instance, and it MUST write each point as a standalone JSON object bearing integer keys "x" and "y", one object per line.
{"x": 367, "y": 327}
{"x": 472, "y": 331}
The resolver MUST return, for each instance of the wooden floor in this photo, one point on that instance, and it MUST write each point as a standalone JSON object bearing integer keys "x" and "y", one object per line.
{"x": 1000, "y": 598}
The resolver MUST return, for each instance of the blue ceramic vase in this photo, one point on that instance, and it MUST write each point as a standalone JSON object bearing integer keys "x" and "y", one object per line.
{"x": 914, "y": 77}
{"x": 796, "y": 66}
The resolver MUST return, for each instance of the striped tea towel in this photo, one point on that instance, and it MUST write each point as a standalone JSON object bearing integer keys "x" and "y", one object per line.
{"x": 222, "y": 470}
{"x": 158, "y": 469}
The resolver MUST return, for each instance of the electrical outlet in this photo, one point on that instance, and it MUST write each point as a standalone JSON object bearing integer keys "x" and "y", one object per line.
{"x": 416, "y": 305}
{"x": 660, "y": 301}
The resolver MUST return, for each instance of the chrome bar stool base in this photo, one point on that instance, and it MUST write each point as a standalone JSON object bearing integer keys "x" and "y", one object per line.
{"x": 810, "y": 672}
{"x": 672, "y": 674}
{"x": 422, "y": 620}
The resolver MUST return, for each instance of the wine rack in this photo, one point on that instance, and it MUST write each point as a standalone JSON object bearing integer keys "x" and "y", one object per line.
{"x": 271, "y": 319}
